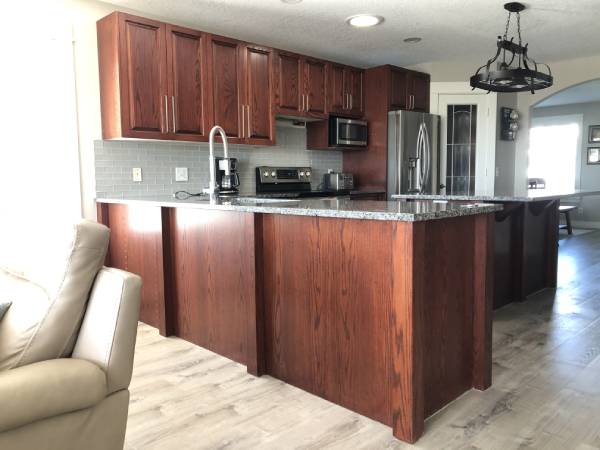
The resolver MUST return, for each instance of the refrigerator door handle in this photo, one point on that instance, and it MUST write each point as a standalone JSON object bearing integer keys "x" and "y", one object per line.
{"x": 427, "y": 158}
{"x": 420, "y": 157}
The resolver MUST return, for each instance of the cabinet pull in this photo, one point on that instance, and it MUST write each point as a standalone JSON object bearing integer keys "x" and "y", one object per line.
{"x": 345, "y": 101}
{"x": 243, "y": 129}
{"x": 303, "y": 107}
{"x": 173, "y": 107}
{"x": 248, "y": 112}
{"x": 351, "y": 101}
{"x": 412, "y": 97}
{"x": 166, "y": 116}
{"x": 307, "y": 102}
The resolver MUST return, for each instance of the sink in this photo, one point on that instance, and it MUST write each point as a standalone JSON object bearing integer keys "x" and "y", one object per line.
{"x": 254, "y": 200}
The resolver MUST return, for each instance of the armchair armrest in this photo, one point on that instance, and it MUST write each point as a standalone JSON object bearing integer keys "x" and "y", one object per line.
{"x": 108, "y": 332}
{"x": 47, "y": 389}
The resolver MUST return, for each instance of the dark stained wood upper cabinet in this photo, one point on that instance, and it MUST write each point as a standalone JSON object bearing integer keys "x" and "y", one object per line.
{"x": 288, "y": 77}
{"x": 335, "y": 89}
{"x": 354, "y": 82}
{"x": 419, "y": 88}
{"x": 133, "y": 77}
{"x": 398, "y": 88}
{"x": 345, "y": 90}
{"x": 153, "y": 80}
{"x": 408, "y": 89}
{"x": 300, "y": 86}
{"x": 315, "y": 87}
{"x": 225, "y": 63}
{"x": 186, "y": 57}
{"x": 259, "y": 120}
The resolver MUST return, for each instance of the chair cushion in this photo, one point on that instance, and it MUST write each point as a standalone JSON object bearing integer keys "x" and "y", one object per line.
{"x": 49, "y": 296}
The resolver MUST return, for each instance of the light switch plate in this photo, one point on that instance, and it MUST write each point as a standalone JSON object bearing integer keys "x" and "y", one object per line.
{"x": 136, "y": 174}
{"x": 181, "y": 173}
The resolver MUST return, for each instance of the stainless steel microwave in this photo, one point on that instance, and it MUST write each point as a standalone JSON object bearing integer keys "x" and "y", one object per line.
{"x": 345, "y": 132}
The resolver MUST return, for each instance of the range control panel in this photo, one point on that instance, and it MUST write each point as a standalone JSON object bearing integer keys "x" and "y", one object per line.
{"x": 275, "y": 175}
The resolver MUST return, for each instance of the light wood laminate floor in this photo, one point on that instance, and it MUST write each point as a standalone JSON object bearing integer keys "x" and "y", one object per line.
{"x": 545, "y": 392}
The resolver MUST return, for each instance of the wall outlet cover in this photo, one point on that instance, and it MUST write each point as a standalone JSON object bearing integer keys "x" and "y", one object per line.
{"x": 181, "y": 173}
{"x": 136, "y": 174}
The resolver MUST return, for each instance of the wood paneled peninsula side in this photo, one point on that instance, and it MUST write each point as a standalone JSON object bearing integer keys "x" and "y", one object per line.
{"x": 525, "y": 238}
{"x": 381, "y": 307}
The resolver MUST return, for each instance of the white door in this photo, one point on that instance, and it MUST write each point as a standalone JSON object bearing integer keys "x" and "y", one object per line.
{"x": 467, "y": 132}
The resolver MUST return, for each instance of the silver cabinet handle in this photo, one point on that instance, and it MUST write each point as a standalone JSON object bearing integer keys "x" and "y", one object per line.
{"x": 242, "y": 106}
{"x": 351, "y": 101}
{"x": 173, "y": 107}
{"x": 412, "y": 101}
{"x": 346, "y": 100}
{"x": 248, "y": 112}
{"x": 302, "y": 107}
{"x": 307, "y": 102}
{"x": 166, "y": 119}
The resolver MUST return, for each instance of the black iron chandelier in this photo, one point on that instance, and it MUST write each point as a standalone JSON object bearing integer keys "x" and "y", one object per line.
{"x": 512, "y": 70}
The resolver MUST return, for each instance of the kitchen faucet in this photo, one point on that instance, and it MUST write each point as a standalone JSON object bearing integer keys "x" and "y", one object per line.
{"x": 212, "y": 185}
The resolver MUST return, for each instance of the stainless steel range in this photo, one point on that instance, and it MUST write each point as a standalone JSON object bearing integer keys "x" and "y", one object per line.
{"x": 288, "y": 182}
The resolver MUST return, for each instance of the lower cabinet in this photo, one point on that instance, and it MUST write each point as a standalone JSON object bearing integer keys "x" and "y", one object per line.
{"x": 189, "y": 260}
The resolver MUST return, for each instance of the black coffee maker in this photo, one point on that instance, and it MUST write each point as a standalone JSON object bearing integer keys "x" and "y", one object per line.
{"x": 227, "y": 184}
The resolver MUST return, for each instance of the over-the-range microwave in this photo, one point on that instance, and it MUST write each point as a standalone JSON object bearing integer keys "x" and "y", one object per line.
{"x": 347, "y": 133}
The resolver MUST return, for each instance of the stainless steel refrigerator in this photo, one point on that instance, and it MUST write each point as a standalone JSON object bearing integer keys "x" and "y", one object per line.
{"x": 413, "y": 165}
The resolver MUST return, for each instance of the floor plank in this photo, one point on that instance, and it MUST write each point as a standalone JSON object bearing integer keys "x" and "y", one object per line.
{"x": 545, "y": 392}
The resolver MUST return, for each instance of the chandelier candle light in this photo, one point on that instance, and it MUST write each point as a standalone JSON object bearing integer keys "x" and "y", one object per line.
{"x": 514, "y": 70}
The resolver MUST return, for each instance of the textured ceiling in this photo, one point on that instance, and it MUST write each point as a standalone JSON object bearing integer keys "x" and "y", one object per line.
{"x": 451, "y": 29}
{"x": 582, "y": 93}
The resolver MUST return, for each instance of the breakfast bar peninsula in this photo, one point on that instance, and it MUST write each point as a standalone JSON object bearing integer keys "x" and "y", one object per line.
{"x": 381, "y": 307}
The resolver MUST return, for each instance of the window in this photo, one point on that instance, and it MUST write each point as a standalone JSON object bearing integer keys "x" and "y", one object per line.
{"x": 553, "y": 151}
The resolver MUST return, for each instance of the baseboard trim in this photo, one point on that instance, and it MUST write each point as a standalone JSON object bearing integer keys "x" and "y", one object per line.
{"x": 586, "y": 224}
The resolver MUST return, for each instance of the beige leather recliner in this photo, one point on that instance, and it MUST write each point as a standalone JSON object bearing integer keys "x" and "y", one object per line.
{"x": 69, "y": 392}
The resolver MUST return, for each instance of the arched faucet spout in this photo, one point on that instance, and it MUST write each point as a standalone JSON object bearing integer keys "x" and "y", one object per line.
{"x": 212, "y": 185}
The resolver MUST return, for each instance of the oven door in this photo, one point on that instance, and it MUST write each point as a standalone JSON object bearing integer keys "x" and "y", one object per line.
{"x": 347, "y": 132}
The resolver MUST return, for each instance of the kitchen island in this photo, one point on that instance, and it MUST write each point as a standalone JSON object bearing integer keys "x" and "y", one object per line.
{"x": 381, "y": 307}
{"x": 525, "y": 238}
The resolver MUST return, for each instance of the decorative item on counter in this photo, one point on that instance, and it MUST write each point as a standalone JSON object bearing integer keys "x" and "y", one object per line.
{"x": 594, "y": 135}
{"x": 508, "y": 124}
{"x": 593, "y": 155}
{"x": 514, "y": 70}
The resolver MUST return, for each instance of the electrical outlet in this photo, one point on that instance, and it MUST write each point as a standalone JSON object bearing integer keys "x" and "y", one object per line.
{"x": 136, "y": 174}
{"x": 181, "y": 173}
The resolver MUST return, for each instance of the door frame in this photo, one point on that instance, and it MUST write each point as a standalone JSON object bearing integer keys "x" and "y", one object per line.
{"x": 485, "y": 173}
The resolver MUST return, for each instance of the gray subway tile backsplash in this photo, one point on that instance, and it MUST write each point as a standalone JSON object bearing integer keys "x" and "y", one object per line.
{"x": 115, "y": 159}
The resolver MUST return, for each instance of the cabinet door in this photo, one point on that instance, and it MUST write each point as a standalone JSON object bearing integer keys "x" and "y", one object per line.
{"x": 315, "y": 84}
{"x": 144, "y": 77}
{"x": 354, "y": 81}
{"x": 186, "y": 58}
{"x": 399, "y": 89}
{"x": 225, "y": 77}
{"x": 259, "y": 120}
{"x": 419, "y": 89}
{"x": 337, "y": 97}
{"x": 288, "y": 80}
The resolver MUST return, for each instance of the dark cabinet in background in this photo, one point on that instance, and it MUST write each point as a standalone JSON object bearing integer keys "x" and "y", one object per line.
{"x": 300, "y": 86}
{"x": 408, "y": 89}
{"x": 346, "y": 90}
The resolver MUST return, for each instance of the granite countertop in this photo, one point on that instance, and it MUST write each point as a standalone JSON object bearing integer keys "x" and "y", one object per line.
{"x": 322, "y": 207}
{"x": 531, "y": 195}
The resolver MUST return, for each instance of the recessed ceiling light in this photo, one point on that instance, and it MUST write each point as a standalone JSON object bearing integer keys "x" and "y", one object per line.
{"x": 364, "y": 20}
{"x": 291, "y": 2}
{"x": 412, "y": 40}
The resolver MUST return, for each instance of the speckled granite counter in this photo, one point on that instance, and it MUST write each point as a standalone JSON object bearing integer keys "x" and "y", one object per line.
{"x": 533, "y": 195}
{"x": 342, "y": 208}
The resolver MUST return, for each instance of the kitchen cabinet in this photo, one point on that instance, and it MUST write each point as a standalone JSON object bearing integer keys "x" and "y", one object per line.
{"x": 188, "y": 84}
{"x": 408, "y": 90}
{"x": 151, "y": 81}
{"x": 133, "y": 77}
{"x": 345, "y": 90}
{"x": 257, "y": 86}
{"x": 225, "y": 75}
{"x": 241, "y": 90}
{"x": 300, "y": 86}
